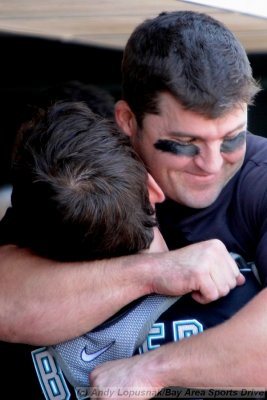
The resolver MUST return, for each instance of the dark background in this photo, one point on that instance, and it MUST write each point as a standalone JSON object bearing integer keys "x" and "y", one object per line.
{"x": 30, "y": 65}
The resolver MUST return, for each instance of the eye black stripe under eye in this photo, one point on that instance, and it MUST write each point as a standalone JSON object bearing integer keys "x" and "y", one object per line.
{"x": 231, "y": 145}
{"x": 170, "y": 146}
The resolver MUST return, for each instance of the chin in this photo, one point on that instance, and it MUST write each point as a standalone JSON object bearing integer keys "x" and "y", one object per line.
{"x": 199, "y": 201}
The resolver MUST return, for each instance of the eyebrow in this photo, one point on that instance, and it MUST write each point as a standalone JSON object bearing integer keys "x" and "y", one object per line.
{"x": 193, "y": 135}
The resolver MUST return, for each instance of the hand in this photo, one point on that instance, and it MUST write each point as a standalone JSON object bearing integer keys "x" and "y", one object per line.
{"x": 123, "y": 379}
{"x": 206, "y": 269}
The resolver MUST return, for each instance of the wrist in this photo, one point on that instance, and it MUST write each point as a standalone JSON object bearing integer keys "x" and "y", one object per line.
{"x": 139, "y": 274}
{"x": 156, "y": 367}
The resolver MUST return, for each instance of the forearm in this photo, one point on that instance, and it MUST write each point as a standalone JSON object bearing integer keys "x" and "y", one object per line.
{"x": 43, "y": 301}
{"x": 230, "y": 355}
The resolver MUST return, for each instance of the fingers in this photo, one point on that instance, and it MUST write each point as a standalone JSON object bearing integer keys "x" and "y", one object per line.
{"x": 211, "y": 292}
{"x": 206, "y": 269}
{"x": 233, "y": 275}
{"x": 218, "y": 280}
{"x": 240, "y": 280}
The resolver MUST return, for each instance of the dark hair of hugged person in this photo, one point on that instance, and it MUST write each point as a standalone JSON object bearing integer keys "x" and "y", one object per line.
{"x": 79, "y": 189}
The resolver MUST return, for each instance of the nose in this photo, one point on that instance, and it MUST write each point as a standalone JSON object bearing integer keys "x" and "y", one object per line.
{"x": 209, "y": 159}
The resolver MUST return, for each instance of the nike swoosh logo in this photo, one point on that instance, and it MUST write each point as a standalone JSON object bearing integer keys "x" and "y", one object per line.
{"x": 92, "y": 356}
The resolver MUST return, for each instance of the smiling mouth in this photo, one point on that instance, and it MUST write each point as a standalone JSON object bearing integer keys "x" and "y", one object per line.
{"x": 204, "y": 176}
{"x": 200, "y": 178}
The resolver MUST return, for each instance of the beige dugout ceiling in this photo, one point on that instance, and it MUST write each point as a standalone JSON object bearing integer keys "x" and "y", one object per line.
{"x": 109, "y": 22}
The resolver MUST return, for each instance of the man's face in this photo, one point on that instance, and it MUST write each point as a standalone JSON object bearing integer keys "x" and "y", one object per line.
{"x": 190, "y": 156}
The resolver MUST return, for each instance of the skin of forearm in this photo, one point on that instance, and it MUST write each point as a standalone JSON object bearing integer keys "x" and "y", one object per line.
{"x": 232, "y": 354}
{"x": 45, "y": 302}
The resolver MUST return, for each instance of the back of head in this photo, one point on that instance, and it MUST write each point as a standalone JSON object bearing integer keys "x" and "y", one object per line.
{"x": 191, "y": 56}
{"x": 79, "y": 189}
{"x": 98, "y": 99}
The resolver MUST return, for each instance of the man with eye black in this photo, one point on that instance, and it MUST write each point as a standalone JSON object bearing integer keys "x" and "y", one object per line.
{"x": 186, "y": 93}
{"x": 185, "y": 97}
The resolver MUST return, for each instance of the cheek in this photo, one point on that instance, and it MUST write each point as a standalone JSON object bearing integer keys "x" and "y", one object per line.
{"x": 166, "y": 163}
{"x": 235, "y": 144}
{"x": 235, "y": 157}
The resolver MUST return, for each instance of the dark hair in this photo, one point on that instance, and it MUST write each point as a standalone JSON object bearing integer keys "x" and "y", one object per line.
{"x": 97, "y": 98}
{"x": 191, "y": 56}
{"x": 79, "y": 189}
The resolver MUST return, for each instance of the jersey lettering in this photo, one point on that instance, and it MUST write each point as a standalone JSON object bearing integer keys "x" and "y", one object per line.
{"x": 186, "y": 328}
{"x": 156, "y": 332}
{"x": 180, "y": 330}
{"x": 50, "y": 375}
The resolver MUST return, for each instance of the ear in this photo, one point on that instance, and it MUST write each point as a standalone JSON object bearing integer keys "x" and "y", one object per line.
{"x": 155, "y": 193}
{"x": 125, "y": 118}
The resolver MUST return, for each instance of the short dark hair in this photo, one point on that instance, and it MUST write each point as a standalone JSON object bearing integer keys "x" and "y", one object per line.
{"x": 79, "y": 188}
{"x": 98, "y": 99}
{"x": 191, "y": 56}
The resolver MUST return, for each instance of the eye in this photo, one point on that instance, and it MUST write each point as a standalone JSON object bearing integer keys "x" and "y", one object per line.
{"x": 232, "y": 144}
{"x": 184, "y": 142}
{"x": 176, "y": 148}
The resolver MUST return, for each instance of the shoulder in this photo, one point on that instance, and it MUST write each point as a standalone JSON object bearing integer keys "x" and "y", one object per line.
{"x": 256, "y": 152}
{"x": 251, "y": 184}
{"x": 254, "y": 169}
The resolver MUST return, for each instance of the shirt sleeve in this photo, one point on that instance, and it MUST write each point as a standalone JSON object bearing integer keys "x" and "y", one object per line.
{"x": 254, "y": 205}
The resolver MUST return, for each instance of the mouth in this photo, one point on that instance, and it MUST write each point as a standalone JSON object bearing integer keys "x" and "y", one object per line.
{"x": 200, "y": 180}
